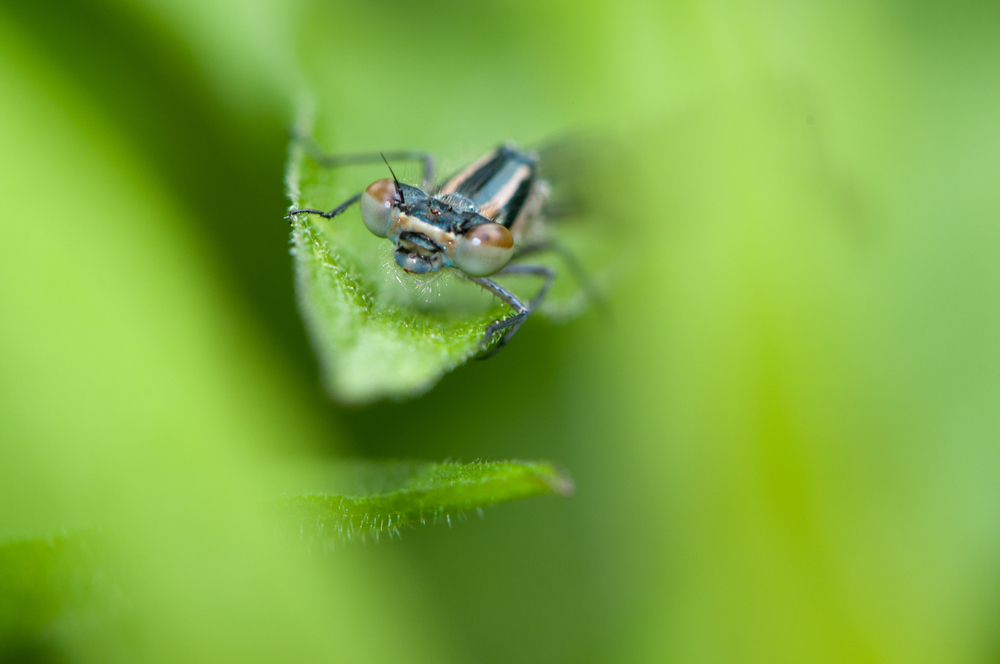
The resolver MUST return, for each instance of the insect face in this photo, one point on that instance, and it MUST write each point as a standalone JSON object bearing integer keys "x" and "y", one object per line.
{"x": 425, "y": 246}
{"x": 416, "y": 252}
{"x": 430, "y": 234}
{"x": 421, "y": 246}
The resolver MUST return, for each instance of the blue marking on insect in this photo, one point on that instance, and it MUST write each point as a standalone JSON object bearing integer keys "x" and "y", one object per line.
{"x": 476, "y": 221}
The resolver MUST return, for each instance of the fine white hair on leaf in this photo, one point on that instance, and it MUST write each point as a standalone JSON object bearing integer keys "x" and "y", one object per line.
{"x": 409, "y": 493}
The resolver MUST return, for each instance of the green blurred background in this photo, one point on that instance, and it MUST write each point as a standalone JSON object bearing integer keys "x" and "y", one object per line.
{"x": 785, "y": 442}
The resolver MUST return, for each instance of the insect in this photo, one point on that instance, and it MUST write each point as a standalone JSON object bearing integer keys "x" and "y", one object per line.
{"x": 477, "y": 222}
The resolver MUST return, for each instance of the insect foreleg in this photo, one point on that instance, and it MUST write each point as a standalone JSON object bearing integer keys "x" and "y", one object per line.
{"x": 538, "y": 270}
{"x": 514, "y": 323}
{"x": 572, "y": 264}
{"x": 354, "y": 159}
{"x": 520, "y": 309}
{"x": 332, "y": 213}
{"x": 513, "y": 300}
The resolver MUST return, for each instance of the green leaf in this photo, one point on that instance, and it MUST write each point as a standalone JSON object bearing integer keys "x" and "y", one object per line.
{"x": 378, "y": 331}
{"x": 361, "y": 498}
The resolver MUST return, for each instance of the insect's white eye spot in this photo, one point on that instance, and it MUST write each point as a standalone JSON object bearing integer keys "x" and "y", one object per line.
{"x": 376, "y": 206}
{"x": 484, "y": 250}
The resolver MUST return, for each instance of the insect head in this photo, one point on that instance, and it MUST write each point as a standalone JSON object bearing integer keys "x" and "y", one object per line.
{"x": 431, "y": 233}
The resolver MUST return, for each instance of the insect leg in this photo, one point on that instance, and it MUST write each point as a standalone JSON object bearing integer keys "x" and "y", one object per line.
{"x": 539, "y": 270}
{"x": 534, "y": 248}
{"x": 514, "y": 323}
{"x": 332, "y": 213}
{"x": 572, "y": 264}
{"x": 353, "y": 159}
{"x": 515, "y": 303}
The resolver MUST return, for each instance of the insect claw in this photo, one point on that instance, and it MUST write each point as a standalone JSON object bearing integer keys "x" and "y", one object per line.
{"x": 513, "y": 323}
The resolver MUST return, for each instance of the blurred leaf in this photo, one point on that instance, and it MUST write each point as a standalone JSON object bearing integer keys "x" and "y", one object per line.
{"x": 381, "y": 497}
{"x": 73, "y": 584}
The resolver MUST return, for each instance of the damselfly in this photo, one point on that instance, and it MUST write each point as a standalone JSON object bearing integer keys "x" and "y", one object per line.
{"x": 477, "y": 222}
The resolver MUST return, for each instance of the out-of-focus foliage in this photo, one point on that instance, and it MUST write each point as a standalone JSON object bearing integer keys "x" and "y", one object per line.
{"x": 64, "y": 583}
{"x": 783, "y": 440}
{"x": 365, "y": 498}
{"x": 71, "y": 586}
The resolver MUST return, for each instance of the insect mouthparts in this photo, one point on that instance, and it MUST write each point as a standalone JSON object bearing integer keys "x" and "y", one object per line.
{"x": 418, "y": 241}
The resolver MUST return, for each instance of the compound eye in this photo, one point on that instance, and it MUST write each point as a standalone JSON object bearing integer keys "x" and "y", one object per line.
{"x": 484, "y": 250}
{"x": 376, "y": 206}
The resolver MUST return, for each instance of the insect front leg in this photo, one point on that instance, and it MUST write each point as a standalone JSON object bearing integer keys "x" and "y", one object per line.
{"x": 520, "y": 309}
{"x": 590, "y": 291}
{"x": 328, "y": 160}
{"x": 514, "y": 323}
{"x": 332, "y": 213}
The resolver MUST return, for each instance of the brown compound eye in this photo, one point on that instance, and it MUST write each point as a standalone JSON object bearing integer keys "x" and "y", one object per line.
{"x": 484, "y": 250}
{"x": 376, "y": 206}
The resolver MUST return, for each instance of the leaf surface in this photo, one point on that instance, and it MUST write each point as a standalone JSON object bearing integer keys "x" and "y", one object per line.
{"x": 361, "y": 498}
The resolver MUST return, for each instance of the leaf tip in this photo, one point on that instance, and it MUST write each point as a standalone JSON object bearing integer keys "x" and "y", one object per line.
{"x": 559, "y": 482}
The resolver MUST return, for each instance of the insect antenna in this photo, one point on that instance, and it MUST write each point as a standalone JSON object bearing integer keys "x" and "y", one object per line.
{"x": 399, "y": 190}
